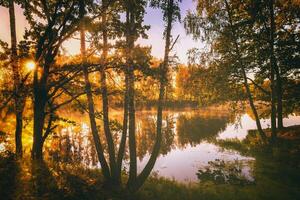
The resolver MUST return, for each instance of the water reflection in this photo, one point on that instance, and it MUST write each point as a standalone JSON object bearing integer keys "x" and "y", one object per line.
{"x": 226, "y": 172}
{"x": 194, "y": 129}
{"x": 73, "y": 145}
{"x": 146, "y": 135}
{"x": 187, "y": 143}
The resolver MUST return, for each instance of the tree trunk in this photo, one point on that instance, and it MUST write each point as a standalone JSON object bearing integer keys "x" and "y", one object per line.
{"x": 91, "y": 109}
{"x": 279, "y": 100}
{"x": 130, "y": 18}
{"x": 276, "y": 70}
{"x": 162, "y": 95}
{"x": 134, "y": 186}
{"x": 92, "y": 116}
{"x": 124, "y": 130}
{"x": 132, "y": 140}
{"x": 251, "y": 102}
{"x": 39, "y": 119}
{"x": 40, "y": 94}
{"x": 244, "y": 75}
{"x": 18, "y": 133}
{"x": 109, "y": 138}
{"x": 272, "y": 69}
{"x": 18, "y": 99}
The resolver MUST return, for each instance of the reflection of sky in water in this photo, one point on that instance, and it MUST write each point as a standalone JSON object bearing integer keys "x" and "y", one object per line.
{"x": 183, "y": 164}
{"x": 186, "y": 147}
{"x": 240, "y": 131}
{"x": 190, "y": 148}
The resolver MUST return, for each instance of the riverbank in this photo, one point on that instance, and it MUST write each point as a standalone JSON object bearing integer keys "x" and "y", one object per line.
{"x": 291, "y": 133}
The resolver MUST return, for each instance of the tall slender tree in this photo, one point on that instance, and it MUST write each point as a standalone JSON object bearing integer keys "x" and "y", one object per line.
{"x": 108, "y": 28}
{"x": 273, "y": 71}
{"x": 18, "y": 95}
{"x": 226, "y": 27}
{"x": 279, "y": 20}
{"x": 91, "y": 109}
{"x": 105, "y": 109}
{"x": 171, "y": 13}
{"x": 131, "y": 15}
{"x": 19, "y": 99}
{"x": 243, "y": 71}
{"x": 286, "y": 18}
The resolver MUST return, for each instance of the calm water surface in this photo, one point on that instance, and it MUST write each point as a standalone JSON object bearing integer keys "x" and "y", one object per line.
{"x": 188, "y": 141}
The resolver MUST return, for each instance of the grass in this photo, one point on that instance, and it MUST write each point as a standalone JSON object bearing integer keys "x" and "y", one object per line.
{"x": 266, "y": 188}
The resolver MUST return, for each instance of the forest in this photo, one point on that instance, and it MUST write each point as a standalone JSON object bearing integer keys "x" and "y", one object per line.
{"x": 150, "y": 99}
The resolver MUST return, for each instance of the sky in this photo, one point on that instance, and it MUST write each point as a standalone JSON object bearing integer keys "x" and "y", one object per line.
{"x": 155, "y": 39}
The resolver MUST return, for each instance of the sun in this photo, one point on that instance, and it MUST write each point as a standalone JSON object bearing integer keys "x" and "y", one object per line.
{"x": 30, "y": 65}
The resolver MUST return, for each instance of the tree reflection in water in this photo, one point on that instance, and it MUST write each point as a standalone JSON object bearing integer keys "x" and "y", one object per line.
{"x": 188, "y": 141}
{"x": 193, "y": 130}
{"x": 74, "y": 144}
{"x": 226, "y": 172}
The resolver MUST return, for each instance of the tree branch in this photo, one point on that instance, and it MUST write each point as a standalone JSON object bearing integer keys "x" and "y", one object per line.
{"x": 172, "y": 46}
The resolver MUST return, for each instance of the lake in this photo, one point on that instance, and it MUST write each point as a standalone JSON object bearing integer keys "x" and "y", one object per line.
{"x": 189, "y": 141}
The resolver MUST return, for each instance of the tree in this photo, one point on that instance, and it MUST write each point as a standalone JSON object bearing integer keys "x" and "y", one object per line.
{"x": 114, "y": 166}
{"x": 273, "y": 70}
{"x": 224, "y": 23}
{"x": 19, "y": 100}
{"x": 275, "y": 23}
{"x": 91, "y": 110}
{"x": 18, "y": 91}
{"x": 58, "y": 21}
{"x": 171, "y": 12}
{"x": 133, "y": 29}
{"x": 286, "y": 48}
{"x": 283, "y": 15}
{"x": 136, "y": 59}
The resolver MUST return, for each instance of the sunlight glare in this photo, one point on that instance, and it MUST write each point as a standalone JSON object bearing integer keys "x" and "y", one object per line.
{"x": 30, "y": 65}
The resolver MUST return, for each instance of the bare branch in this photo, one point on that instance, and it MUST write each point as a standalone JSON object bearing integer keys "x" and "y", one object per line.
{"x": 172, "y": 46}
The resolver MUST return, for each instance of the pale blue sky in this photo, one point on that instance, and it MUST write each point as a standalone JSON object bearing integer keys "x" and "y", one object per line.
{"x": 153, "y": 18}
{"x": 185, "y": 42}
